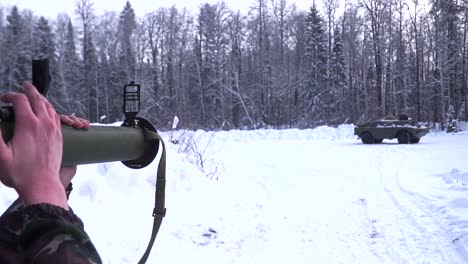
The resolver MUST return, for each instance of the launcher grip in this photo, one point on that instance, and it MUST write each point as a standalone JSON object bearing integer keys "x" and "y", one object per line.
{"x": 41, "y": 76}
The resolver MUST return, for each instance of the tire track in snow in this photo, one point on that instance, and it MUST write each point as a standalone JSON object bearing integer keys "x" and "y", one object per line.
{"x": 430, "y": 240}
{"x": 423, "y": 203}
{"x": 392, "y": 245}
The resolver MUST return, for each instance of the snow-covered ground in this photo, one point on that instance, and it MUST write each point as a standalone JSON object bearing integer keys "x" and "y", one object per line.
{"x": 294, "y": 196}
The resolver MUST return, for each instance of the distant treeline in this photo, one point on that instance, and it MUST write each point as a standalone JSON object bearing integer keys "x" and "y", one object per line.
{"x": 273, "y": 66}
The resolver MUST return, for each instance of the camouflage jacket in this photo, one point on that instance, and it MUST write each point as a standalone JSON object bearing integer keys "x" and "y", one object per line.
{"x": 44, "y": 234}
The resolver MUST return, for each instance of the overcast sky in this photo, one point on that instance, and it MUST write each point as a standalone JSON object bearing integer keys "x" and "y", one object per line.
{"x": 50, "y": 8}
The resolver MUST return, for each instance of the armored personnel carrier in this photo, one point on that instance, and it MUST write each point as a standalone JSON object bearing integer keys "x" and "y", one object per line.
{"x": 404, "y": 129}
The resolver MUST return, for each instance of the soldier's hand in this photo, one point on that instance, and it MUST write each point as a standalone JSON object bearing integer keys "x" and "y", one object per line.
{"x": 30, "y": 161}
{"x": 76, "y": 122}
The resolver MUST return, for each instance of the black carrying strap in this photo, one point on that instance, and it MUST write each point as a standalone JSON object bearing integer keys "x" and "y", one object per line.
{"x": 159, "y": 211}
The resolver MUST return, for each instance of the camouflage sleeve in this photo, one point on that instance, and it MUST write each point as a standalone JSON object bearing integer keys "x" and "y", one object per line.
{"x": 11, "y": 224}
{"x": 54, "y": 235}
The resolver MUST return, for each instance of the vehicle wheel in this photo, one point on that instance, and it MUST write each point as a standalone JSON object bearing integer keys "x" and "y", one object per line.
{"x": 404, "y": 137}
{"x": 414, "y": 140}
{"x": 367, "y": 138}
{"x": 378, "y": 141}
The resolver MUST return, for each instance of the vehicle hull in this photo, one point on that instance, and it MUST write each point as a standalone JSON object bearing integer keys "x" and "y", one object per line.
{"x": 406, "y": 131}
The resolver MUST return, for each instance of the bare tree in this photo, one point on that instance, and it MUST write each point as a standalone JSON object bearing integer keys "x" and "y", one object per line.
{"x": 85, "y": 12}
{"x": 330, "y": 10}
{"x": 375, "y": 10}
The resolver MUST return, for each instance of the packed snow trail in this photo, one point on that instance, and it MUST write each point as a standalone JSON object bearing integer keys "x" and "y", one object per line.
{"x": 311, "y": 196}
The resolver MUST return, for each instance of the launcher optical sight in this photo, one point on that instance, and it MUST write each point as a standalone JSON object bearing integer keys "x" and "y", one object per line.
{"x": 135, "y": 143}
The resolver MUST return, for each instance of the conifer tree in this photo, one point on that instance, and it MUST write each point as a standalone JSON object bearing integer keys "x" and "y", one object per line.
{"x": 316, "y": 62}
{"x": 339, "y": 93}
{"x": 17, "y": 57}
{"x": 90, "y": 80}
{"x": 126, "y": 52}
{"x": 71, "y": 72}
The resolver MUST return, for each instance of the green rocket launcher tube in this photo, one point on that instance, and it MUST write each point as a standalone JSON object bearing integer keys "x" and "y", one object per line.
{"x": 103, "y": 144}
{"x": 135, "y": 147}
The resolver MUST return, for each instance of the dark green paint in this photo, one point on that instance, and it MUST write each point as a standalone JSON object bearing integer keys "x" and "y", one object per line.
{"x": 375, "y": 131}
{"x": 96, "y": 145}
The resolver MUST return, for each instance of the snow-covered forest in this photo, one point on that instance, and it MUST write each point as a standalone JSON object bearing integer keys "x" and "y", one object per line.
{"x": 270, "y": 66}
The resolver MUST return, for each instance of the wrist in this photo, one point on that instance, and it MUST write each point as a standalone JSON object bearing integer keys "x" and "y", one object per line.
{"x": 48, "y": 210}
{"x": 47, "y": 191}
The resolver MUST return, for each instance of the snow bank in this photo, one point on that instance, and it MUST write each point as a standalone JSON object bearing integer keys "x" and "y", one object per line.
{"x": 320, "y": 133}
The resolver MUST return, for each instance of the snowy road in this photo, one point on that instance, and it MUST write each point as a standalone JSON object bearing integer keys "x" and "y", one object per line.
{"x": 314, "y": 196}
